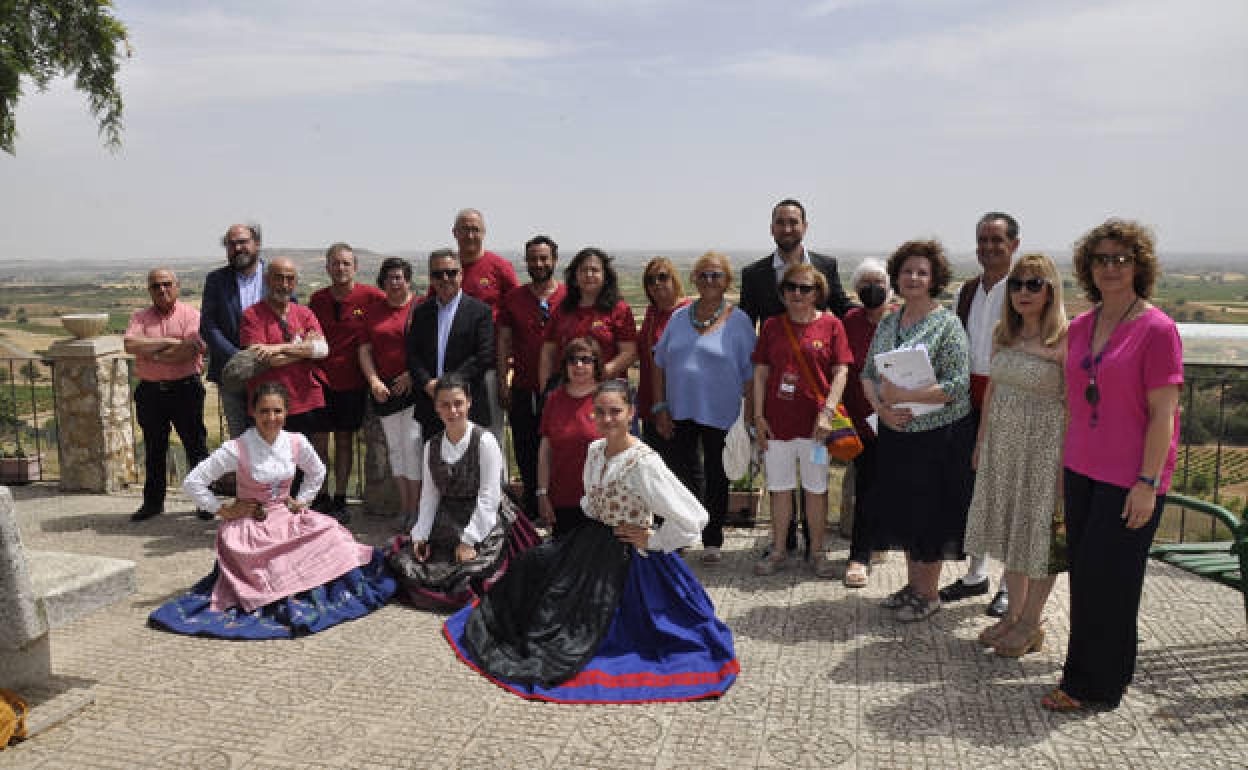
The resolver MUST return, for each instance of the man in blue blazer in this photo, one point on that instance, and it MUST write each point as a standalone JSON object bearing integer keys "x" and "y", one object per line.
{"x": 228, "y": 291}
{"x": 450, "y": 332}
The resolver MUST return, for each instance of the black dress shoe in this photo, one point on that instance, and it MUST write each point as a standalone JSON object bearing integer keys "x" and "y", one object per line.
{"x": 958, "y": 590}
{"x": 999, "y": 607}
{"x": 204, "y": 515}
{"x": 146, "y": 512}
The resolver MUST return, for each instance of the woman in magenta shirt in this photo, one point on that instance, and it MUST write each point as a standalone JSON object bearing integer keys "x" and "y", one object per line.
{"x": 1124, "y": 371}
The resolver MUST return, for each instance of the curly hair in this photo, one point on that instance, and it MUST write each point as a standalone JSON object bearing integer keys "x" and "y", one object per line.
{"x": 610, "y": 293}
{"x": 1139, "y": 242}
{"x": 930, "y": 250}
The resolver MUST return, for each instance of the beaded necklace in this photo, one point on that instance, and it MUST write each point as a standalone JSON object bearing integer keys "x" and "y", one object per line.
{"x": 708, "y": 323}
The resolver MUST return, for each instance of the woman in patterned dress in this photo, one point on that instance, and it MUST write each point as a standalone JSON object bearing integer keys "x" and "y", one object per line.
{"x": 282, "y": 569}
{"x": 1018, "y": 452}
{"x": 619, "y": 617}
{"x": 467, "y": 530}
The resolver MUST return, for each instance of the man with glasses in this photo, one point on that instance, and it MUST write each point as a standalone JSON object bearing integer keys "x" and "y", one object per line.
{"x": 168, "y": 361}
{"x": 340, "y": 309}
{"x": 288, "y": 339}
{"x": 760, "y": 294}
{"x": 487, "y": 277}
{"x": 521, "y": 326}
{"x": 453, "y": 332}
{"x": 228, "y": 291}
{"x": 979, "y": 306}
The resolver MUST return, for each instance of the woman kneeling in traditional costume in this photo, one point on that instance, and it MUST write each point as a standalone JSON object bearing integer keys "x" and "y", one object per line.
{"x": 467, "y": 530}
{"x": 282, "y": 569}
{"x": 609, "y": 613}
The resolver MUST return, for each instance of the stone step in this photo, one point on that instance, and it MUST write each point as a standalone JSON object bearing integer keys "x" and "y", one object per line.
{"x": 68, "y": 586}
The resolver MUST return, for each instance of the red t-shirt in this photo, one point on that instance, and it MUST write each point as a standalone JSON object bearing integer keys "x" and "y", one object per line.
{"x": 858, "y": 331}
{"x": 609, "y": 329}
{"x": 488, "y": 279}
{"x": 652, "y": 327}
{"x": 385, "y": 328}
{"x": 791, "y": 406}
{"x": 343, "y": 324}
{"x": 522, "y": 313}
{"x": 260, "y": 325}
{"x": 568, "y": 424}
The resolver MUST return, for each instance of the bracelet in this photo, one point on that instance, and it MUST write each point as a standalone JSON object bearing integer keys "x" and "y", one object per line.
{"x": 1149, "y": 480}
{"x": 540, "y": 492}
{"x": 661, "y": 406}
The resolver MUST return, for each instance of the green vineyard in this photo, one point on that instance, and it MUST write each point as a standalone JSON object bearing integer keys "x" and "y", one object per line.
{"x": 1199, "y": 466}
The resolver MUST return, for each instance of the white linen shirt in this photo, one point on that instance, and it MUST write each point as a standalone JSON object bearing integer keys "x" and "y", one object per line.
{"x": 980, "y": 321}
{"x": 489, "y": 493}
{"x": 270, "y": 463}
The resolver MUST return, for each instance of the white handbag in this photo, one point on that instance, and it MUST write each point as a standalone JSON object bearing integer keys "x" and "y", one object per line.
{"x": 737, "y": 448}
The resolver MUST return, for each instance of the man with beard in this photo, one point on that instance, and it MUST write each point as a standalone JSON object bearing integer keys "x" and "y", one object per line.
{"x": 340, "y": 309}
{"x": 168, "y": 360}
{"x": 760, "y": 295}
{"x": 288, "y": 339}
{"x": 979, "y": 306}
{"x": 521, "y": 325}
{"x": 487, "y": 277}
{"x": 228, "y": 291}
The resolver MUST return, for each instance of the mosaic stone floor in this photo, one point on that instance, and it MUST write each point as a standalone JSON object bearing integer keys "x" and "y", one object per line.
{"x": 828, "y": 680}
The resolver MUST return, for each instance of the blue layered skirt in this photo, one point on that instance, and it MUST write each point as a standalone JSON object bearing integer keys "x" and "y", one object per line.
{"x": 351, "y": 595}
{"x": 587, "y": 619}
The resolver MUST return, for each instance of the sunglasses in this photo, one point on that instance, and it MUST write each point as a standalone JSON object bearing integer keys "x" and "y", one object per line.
{"x": 238, "y": 242}
{"x": 543, "y": 309}
{"x": 1118, "y": 260}
{"x": 444, "y": 275}
{"x": 710, "y": 276}
{"x": 582, "y": 360}
{"x": 800, "y": 288}
{"x": 160, "y": 285}
{"x": 656, "y": 278}
{"x": 1033, "y": 285}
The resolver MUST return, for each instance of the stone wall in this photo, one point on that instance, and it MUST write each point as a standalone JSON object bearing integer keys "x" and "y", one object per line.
{"x": 96, "y": 441}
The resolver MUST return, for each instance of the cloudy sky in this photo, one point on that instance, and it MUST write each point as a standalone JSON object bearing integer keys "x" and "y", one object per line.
{"x": 644, "y": 124}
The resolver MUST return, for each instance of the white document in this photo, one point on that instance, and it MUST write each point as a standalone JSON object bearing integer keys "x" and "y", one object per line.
{"x": 909, "y": 368}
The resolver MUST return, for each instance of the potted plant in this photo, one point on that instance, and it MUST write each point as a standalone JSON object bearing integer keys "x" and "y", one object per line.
{"x": 17, "y": 468}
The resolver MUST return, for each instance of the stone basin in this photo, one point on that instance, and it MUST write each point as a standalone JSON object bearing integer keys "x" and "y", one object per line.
{"x": 85, "y": 325}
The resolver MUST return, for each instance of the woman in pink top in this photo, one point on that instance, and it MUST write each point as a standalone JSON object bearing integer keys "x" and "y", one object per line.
{"x": 282, "y": 569}
{"x": 1124, "y": 371}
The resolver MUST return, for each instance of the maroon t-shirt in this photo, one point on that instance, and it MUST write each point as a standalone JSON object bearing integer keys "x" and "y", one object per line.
{"x": 521, "y": 312}
{"x": 342, "y": 321}
{"x": 859, "y": 330}
{"x": 609, "y": 329}
{"x": 652, "y": 327}
{"x": 260, "y": 324}
{"x": 790, "y": 405}
{"x": 385, "y": 329}
{"x": 568, "y": 424}
{"x": 489, "y": 279}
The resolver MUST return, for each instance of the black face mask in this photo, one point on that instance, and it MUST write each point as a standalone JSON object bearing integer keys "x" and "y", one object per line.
{"x": 872, "y": 296}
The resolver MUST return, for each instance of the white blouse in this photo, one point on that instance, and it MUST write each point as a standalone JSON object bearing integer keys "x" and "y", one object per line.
{"x": 489, "y": 492}
{"x": 270, "y": 463}
{"x": 658, "y": 489}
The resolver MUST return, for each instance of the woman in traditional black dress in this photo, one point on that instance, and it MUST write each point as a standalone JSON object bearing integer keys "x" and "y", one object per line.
{"x": 609, "y": 613}
{"x": 467, "y": 530}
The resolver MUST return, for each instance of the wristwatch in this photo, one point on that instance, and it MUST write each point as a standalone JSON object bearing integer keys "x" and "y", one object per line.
{"x": 540, "y": 492}
{"x": 1149, "y": 480}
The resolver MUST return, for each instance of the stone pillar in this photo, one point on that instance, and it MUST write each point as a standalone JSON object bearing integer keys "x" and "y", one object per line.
{"x": 96, "y": 441}
{"x": 25, "y": 656}
{"x": 381, "y": 491}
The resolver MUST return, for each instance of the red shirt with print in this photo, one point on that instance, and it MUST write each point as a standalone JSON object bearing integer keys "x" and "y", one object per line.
{"x": 608, "y": 328}
{"x": 343, "y": 323}
{"x": 261, "y": 325}
{"x": 790, "y": 405}
{"x": 521, "y": 311}
{"x": 568, "y": 425}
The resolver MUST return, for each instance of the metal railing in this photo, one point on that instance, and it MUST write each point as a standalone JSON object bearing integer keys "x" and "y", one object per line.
{"x": 27, "y": 420}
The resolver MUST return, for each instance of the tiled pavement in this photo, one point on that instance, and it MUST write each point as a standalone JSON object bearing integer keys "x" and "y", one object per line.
{"x": 828, "y": 680}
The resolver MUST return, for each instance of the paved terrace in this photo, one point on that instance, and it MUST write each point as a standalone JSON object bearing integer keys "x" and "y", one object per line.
{"x": 828, "y": 680}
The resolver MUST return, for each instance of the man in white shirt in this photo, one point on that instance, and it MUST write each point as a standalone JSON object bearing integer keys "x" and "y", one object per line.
{"x": 979, "y": 306}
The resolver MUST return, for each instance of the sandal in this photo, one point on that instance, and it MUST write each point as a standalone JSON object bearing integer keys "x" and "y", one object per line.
{"x": 1057, "y": 700}
{"x": 856, "y": 576}
{"x": 992, "y": 634}
{"x": 771, "y": 565}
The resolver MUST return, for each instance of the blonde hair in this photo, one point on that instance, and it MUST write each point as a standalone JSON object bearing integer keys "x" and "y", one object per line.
{"x": 712, "y": 259}
{"x": 659, "y": 264}
{"x": 1053, "y": 323}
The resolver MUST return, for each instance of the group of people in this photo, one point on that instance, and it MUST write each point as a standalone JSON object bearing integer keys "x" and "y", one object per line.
{"x": 1009, "y": 451}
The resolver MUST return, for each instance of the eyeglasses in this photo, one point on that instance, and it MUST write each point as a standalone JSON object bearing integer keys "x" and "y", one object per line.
{"x": 444, "y": 275}
{"x": 656, "y": 278}
{"x": 1033, "y": 285}
{"x": 711, "y": 276}
{"x": 800, "y": 288}
{"x": 238, "y": 242}
{"x": 582, "y": 360}
{"x": 1118, "y": 260}
{"x": 160, "y": 285}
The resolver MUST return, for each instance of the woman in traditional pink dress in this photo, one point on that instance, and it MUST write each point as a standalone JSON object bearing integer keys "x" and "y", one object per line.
{"x": 282, "y": 569}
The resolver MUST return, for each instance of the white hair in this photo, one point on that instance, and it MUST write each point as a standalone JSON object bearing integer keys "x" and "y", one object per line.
{"x": 868, "y": 266}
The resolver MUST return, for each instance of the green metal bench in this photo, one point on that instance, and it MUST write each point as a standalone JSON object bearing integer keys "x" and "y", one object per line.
{"x": 1224, "y": 561}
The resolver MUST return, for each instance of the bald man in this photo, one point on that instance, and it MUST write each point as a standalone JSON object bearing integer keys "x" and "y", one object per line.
{"x": 168, "y": 360}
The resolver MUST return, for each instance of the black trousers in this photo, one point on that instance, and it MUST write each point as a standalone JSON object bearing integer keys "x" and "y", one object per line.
{"x": 158, "y": 406}
{"x": 1107, "y": 563}
{"x": 525, "y": 441}
{"x": 864, "y": 476}
{"x": 698, "y": 461}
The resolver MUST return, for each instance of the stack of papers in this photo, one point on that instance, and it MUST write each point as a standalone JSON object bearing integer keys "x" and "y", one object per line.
{"x": 909, "y": 368}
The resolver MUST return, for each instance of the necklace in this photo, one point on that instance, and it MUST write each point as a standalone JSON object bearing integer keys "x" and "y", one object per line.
{"x": 708, "y": 323}
{"x": 1091, "y": 362}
